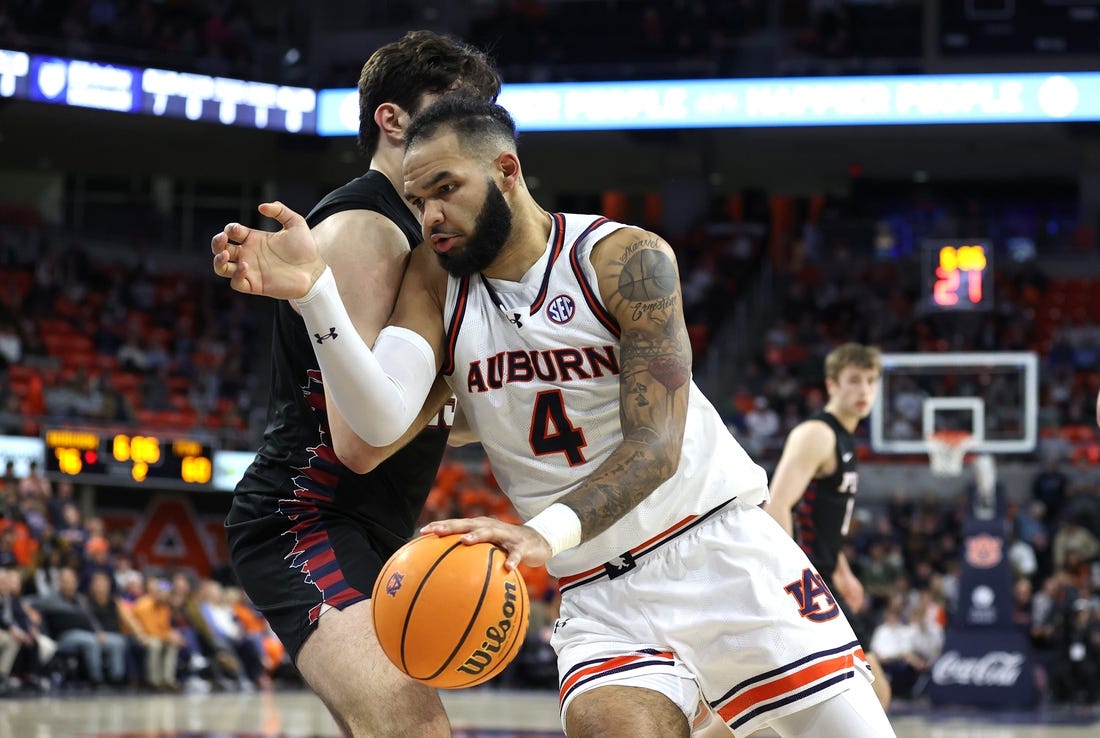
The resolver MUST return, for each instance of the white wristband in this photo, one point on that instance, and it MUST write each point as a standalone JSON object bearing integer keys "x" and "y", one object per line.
{"x": 559, "y": 525}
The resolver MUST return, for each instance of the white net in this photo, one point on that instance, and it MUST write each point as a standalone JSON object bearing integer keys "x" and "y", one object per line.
{"x": 947, "y": 450}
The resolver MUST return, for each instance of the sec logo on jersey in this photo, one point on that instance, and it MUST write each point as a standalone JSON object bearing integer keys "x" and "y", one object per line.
{"x": 561, "y": 309}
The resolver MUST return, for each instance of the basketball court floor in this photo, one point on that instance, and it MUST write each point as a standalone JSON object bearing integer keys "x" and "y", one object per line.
{"x": 482, "y": 712}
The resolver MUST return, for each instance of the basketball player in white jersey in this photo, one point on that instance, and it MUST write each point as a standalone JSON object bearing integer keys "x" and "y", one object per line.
{"x": 564, "y": 341}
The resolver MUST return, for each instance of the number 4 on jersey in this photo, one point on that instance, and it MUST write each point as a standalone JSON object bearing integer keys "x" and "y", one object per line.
{"x": 551, "y": 431}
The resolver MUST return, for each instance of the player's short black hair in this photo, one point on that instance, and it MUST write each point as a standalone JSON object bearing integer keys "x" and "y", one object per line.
{"x": 478, "y": 123}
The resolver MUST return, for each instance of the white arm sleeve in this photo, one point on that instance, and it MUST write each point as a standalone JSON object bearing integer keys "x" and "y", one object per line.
{"x": 379, "y": 393}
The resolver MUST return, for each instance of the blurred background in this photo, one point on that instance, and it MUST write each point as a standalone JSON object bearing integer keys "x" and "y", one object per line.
{"x": 133, "y": 383}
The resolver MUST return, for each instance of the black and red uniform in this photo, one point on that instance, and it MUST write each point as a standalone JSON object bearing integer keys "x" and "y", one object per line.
{"x": 822, "y": 516}
{"x": 305, "y": 532}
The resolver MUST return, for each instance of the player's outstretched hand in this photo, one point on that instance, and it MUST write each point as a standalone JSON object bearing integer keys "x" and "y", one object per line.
{"x": 283, "y": 265}
{"x": 523, "y": 544}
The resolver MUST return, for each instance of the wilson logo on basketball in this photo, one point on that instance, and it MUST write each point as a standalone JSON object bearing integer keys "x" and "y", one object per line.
{"x": 561, "y": 309}
{"x": 495, "y": 635}
{"x": 394, "y": 583}
{"x": 983, "y": 551}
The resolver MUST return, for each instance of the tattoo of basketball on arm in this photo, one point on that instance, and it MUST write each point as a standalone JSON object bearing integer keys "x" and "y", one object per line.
{"x": 655, "y": 363}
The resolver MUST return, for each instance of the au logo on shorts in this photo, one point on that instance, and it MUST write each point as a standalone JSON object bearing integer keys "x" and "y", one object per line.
{"x": 806, "y": 590}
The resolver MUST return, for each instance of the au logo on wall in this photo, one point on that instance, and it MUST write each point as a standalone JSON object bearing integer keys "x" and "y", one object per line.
{"x": 169, "y": 535}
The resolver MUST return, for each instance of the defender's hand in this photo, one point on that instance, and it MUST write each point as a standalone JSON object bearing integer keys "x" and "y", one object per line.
{"x": 523, "y": 544}
{"x": 283, "y": 265}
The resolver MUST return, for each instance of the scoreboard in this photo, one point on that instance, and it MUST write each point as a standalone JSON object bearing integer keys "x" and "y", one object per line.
{"x": 115, "y": 457}
{"x": 957, "y": 275}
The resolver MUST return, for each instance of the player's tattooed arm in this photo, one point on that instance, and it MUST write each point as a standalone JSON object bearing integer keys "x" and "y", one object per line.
{"x": 640, "y": 287}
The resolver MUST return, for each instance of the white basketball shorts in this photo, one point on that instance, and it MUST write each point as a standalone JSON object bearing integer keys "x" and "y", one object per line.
{"x": 723, "y": 604}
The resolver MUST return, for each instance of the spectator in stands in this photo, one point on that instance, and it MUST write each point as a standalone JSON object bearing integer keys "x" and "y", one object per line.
{"x": 928, "y": 632}
{"x": 87, "y": 402}
{"x": 894, "y": 642}
{"x": 62, "y": 397}
{"x": 193, "y": 656}
{"x": 153, "y": 622}
{"x": 155, "y": 391}
{"x": 46, "y": 576}
{"x": 131, "y": 354}
{"x": 68, "y": 620}
{"x": 97, "y": 559}
{"x": 256, "y": 629}
{"x": 1050, "y": 487}
{"x": 64, "y": 494}
{"x": 33, "y": 649}
{"x": 1073, "y": 542}
{"x": 762, "y": 426}
{"x": 131, "y": 585}
{"x": 11, "y": 343}
{"x": 117, "y": 407}
{"x": 7, "y": 548}
{"x": 70, "y": 529}
{"x": 226, "y": 634}
{"x": 35, "y": 484}
{"x": 225, "y": 667}
{"x": 878, "y": 572}
{"x": 1075, "y": 672}
{"x": 111, "y": 617}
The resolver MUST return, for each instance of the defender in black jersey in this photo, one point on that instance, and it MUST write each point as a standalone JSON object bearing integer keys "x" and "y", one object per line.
{"x": 815, "y": 482}
{"x": 319, "y": 511}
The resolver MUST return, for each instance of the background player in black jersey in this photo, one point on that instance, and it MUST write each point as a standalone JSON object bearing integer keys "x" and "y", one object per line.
{"x": 319, "y": 511}
{"x": 815, "y": 482}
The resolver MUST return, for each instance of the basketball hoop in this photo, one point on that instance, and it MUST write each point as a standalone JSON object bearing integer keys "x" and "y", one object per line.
{"x": 946, "y": 451}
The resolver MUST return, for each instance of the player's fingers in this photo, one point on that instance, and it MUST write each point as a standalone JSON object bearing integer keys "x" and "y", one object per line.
{"x": 286, "y": 217}
{"x": 222, "y": 264}
{"x": 219, "y": 243}
{"x": 235, "y": 233}
{"x": 446, "y": 527}
{"x": 513, "y": 560}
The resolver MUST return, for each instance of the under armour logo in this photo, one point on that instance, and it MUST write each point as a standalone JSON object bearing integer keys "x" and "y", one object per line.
{"x": 331, "y": 334}
{"x": 846, "y": 457}
{"x": 619, "y": 565}
{"x": 514, "y": 320}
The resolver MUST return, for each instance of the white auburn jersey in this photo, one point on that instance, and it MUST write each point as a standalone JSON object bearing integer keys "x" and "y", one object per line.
{"x": 537, "y": 376}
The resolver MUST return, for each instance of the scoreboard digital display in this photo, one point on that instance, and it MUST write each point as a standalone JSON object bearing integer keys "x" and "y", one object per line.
{"x": 128, "y": 459}
{"x": 958, "y": 275}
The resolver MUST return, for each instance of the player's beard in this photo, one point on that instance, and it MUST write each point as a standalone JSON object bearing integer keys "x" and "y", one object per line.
{"x": 491, "y": 231}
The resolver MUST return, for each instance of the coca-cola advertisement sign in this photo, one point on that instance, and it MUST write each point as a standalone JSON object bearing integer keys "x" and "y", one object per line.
{"x": 994, "y": 669}
{"x": 984, "y": 666}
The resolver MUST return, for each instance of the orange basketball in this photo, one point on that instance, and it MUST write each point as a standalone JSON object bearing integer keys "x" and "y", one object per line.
{"x": 449, "y": 614}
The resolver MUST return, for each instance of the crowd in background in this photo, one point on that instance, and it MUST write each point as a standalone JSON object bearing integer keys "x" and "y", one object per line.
{"x": 78, "y": 611}
{"x": 88, "y": 341}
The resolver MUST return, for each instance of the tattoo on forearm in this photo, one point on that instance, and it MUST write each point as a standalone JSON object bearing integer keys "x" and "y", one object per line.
{"x": 617, "y": 488}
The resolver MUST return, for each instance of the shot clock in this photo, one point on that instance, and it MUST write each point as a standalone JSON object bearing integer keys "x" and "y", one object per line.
{"x": 957, "y": 275}
{"x": 128, "y": 459}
